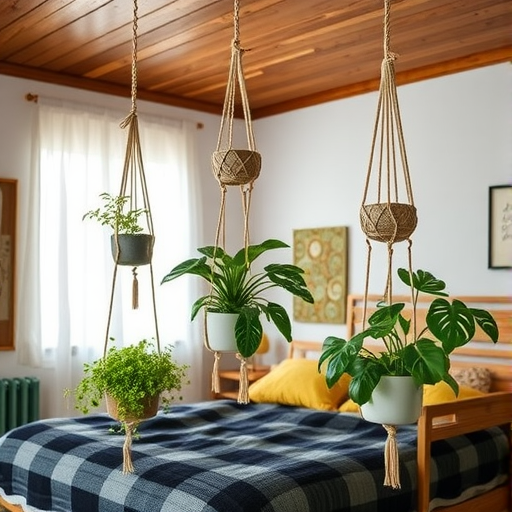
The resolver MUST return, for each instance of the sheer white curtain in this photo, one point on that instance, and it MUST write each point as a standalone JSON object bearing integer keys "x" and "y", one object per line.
{"x": 66, "y": 265}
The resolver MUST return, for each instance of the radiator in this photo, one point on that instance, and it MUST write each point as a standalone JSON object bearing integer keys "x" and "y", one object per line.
{"x": 19, "y": 402}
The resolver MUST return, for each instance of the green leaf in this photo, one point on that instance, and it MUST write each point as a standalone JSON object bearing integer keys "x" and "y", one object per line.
{"x": 405, "y": 324}
{"x": 290, "y": 278}
{"x": 383, "y": 320}
{"x": 487, "y": 323}
{"x": 213, "y": 252}
{"x": 452, "y": 324}
{"x": 423, "y": 281}
{"x": 366, "y": 375}
{"x": 280, "y": 317}
{"x": 254, "y": 251}
{"x": 195, "y": 266}
{"x": 426, "y": 362}
{"x": 339, "y": 355}
{"x": 248, "y": 331}
{"x": 452, "y": 383}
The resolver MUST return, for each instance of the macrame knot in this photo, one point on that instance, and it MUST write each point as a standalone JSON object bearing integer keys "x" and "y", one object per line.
{"x": 392, "y": 56}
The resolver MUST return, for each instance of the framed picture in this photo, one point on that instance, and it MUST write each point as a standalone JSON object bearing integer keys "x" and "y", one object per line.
{"x": 500, "y": 226}
{"x": 322, "y": 254}
{"x": 8, "y": 198}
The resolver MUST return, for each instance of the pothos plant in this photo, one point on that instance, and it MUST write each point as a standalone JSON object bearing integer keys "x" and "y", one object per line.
{"x": 129, "y": 375}
{"x": 235, "y": 288}
{"x": 425, "y": 357}
{"x": 114, "y": 215}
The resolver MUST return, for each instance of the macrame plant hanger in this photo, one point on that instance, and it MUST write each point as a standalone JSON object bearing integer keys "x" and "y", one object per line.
{"x": 234, "y": 167}
{"x": 388, "y": 220}
{"x": 133, "y": 185}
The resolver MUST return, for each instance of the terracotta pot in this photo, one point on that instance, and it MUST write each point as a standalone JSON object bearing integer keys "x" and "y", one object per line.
{"x": 220, "y": 331}
{"x": 395, "y": 401}
{"x": 134, "y": 250}
{"x": 150, "y": 409}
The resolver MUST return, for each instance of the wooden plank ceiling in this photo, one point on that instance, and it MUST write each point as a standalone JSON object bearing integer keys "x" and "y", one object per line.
{"x": 299, "y": 52}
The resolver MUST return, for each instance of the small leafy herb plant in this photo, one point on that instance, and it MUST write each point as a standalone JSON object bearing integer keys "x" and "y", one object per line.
{"x": 112, "y": 214}
{"x": 129, "y": 375}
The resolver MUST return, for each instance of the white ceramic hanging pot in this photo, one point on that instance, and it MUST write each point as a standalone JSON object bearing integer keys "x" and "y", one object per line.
{"x": 220, "y": 331}
{"x": 396, "y": 400}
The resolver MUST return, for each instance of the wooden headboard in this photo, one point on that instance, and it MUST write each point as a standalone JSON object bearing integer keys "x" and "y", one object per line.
{"x": 480, "y": 352}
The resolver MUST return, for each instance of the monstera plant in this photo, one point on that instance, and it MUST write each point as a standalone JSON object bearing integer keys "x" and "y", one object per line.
{"x": 425, "y": 357}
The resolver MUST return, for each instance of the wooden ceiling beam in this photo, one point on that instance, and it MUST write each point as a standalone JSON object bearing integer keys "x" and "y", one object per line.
{"x": 105, "y": 87}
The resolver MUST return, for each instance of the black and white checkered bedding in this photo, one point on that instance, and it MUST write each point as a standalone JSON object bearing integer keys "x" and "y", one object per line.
{"x": 219, "y": 456}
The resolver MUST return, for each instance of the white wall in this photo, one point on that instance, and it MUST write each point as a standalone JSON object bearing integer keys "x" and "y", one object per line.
{"x": 458, "y": 136}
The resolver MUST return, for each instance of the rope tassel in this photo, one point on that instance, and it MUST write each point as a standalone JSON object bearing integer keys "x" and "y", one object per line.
{"x": 135, "y": 290}
{"x": 243, "y": 391}
{"x": 215, "y": 373}
{"x": 391, "y": 462}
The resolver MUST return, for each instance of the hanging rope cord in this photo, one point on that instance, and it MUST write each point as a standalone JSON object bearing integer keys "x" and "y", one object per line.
{"x": 388, "y": 125}
{"x": 225, "y": 141}
{"x": 235, "y": 73}
{"x": 133, "y": 162}
{"x": 388, "y": 133}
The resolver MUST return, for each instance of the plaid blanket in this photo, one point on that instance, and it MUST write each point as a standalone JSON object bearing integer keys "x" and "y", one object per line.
{"x": 219, "y": 456}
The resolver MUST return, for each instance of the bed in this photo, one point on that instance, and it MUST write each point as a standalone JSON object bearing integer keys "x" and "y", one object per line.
{"x": 274, "y": 455}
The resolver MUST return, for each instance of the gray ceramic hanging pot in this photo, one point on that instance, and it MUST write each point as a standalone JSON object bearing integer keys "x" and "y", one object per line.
{"x": 134, "y": 250}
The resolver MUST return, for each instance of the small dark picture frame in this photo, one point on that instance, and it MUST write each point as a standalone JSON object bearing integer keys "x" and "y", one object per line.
{"x": 8, "y": 210}
{"x": 500, "y": 226}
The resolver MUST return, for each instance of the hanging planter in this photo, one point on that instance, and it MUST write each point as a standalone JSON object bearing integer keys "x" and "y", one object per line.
{"x": 238, "y": 296}
{"x": 132, "y": 250}
{"x": 131, "y": 396}
{"x": 149, "y": 409}
{"x": 220, "y": 331}
{"x": 388, "y": 222}
{"x": 396, "y": 400}
{"x": 236, "y": 166}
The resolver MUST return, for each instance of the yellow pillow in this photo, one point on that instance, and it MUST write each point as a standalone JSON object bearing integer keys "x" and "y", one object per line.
{"x": 349, "y": 406}
{"x": 441, "y": 392}
{"x": 432, "y": 394}
{"x": 298, "y": 382}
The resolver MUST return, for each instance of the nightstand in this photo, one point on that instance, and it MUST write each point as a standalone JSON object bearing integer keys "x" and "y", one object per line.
{"x": 229, "y": 380}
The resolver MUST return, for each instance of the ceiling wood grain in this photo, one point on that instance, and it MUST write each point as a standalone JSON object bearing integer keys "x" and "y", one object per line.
{"x": 298, "y": 52}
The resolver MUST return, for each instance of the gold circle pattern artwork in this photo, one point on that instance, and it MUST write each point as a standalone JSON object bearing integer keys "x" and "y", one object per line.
{"x": 322, "y": 254}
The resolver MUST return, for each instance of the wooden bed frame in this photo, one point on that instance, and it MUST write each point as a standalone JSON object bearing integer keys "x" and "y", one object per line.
{"x": 454, "y": 418}
{"x": 446, "y": 420}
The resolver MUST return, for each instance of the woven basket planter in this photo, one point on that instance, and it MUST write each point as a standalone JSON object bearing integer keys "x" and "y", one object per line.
{"x": 388, "y": 222}
{"x": 236, "y": 166}
{"x": 150, "y": 409}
